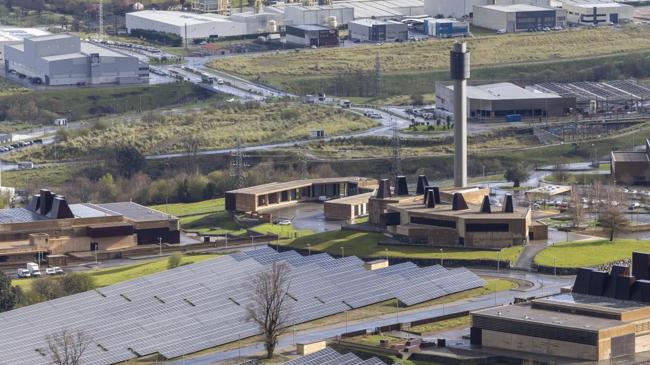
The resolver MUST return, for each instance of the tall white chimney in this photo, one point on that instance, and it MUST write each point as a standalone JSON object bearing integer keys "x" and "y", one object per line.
{"x": 459, "y": 67}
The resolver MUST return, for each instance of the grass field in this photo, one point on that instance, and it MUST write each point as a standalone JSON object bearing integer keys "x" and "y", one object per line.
{"x": 442, "y": 325}
{"x": 50, "y": 176}
{"x": 110, "y": 276}
{"x": 209, "y": 128}
{"x": 9, "y": 88}
{"x": 365, "y": 244}
{"x": 185, "y": 209}
{"x": 425, "y": 129}
{"x": 590, "y": 253}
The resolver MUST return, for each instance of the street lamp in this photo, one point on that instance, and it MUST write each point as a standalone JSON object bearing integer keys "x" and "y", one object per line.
{"x": 309, "y": 249}
{"x": 160, "y": 246}
{"x": 342, "y": 251}
{"x": 555, "y": 267}
{"x": 442, "y": 257}
{"x": 498, "y": 261}
{"x": 386, "y": 251}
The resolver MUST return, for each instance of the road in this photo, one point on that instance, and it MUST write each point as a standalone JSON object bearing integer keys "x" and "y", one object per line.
{"x": 543, "y": 285}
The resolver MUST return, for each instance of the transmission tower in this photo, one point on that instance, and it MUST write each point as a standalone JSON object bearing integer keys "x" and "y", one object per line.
{"x": 377, "y": 75}
{"x": 101, "y": 19}
{"x": 303, "y": 162}
{"x": 238, "y": 165}
{"x": 397, "y": 153}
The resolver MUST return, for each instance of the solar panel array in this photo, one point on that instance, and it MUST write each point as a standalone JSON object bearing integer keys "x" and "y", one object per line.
{"x": 329, "y": 356}
{"x": 203, "y": 305}
{"x": 618, "y": 90}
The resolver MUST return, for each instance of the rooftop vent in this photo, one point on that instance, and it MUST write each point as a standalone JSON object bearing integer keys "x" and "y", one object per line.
{"x": 509, "y": 206}
{"x": 485, "y": 206}
{"x": 401, "y": 185}
{"x": 458, "y": 203}
{"x": 422, "y": 184}
{"x": 384, "y": 189}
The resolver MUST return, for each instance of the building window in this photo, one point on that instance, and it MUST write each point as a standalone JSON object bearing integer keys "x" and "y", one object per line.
{"x": 433, "y": 222}
{"x": 487, "y": 227}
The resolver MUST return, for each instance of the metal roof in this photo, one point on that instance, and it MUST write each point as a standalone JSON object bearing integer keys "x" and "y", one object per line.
{"x": 133, "y": 211}
{"x": 630, "y": 156}
{"x": 19, "y": 215}
{"x": 178, "y": 18}
{"x": 504, "y": 91}
{"x": 515, "y": 8}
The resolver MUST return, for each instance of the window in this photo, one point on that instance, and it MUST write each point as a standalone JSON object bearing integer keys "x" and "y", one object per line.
{"x": 433, "y": 222}
{"x": 487, "y": 227}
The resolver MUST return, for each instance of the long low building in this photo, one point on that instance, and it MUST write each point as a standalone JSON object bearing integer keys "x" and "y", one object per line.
{"x": 464, "y": 8}
{"x": 518, "y": 17}
{"x": 63, "y": 59}
{"x": 273, "y": 195}
{"x": 51, "y": 226}
{"x": 497, "y": 101}
{"x": 318, "y": 14}
{"x": 631, "y": 167}
{"x": 596, "y": 12}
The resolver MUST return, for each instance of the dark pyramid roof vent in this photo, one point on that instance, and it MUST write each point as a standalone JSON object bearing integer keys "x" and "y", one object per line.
{"x": 427, "y": 190}
{"x": 458, "y": 203}
{"x": 436, "y": 194}
{"x": 34, "y": 204}
{"x": 46, "y": 201}
{"x": 508, "y": 206}
{"x": 60, "y": 209}
{"x": 400, "y": 185}
{"x": 485, "y": 206}
{"x": 430, "y": 198}
{"x": 384, "y": 189}
{"x": 641, "y": 265}
{"x": 422, "y": 184}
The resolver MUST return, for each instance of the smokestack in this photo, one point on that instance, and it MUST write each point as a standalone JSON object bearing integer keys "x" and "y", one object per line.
{"x": 459, "y": 67}
{"x": 422, "y": 184}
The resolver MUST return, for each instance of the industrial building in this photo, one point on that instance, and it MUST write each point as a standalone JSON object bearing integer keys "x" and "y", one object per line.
{"x": 605, "y": 316}
{"x": 9, "y": 36}
{"x": 385, "y": 9}
{"x": 329, "y": 15}
{"x": 209, "y": 6}
{"x": 464, "y": 8}
{"x": 518, "y": 17}
{"x": 445, "y": 28}
{"x": 597, "y": 12}
{"x": 191, "y": 26}
{"x": 312, "y": 35}
{"x": 62, "y": 59}
{"x": 497, "y": 101}
{"x": 455, "y": 218}
{"x": 371, "y": 30}
{"x": 258, "y": 198}
{"x": 50, "y": 225}
{"x": 631, "y": 167}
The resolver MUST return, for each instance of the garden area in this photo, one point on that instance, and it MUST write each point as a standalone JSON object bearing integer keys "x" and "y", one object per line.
{"x": 589, "y": 252}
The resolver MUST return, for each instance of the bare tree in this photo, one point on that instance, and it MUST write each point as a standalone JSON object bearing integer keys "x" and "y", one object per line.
{"x": 613, "y": 219}
{"x": 271, "y": 307}
{"x": 576, "y": 210}
{"x": 67, "y": 347}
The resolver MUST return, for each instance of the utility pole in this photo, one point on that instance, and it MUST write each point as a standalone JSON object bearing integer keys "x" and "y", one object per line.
{"x": 238, "y": 166}
{"x": 101, "y": 19}
{"x": 377, "y": 75}
{"x": 397, "y": 153}
{"x": 304, "y": 163}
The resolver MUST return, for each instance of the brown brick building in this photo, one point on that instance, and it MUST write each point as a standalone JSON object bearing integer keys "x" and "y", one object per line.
{"x": 631, "y": 167}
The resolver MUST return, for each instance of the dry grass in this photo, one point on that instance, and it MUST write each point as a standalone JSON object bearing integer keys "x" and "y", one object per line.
{"x": 434, "y": 54}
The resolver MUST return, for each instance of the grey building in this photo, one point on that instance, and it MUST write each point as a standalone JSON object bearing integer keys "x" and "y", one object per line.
{"x": 372, "y": 30}
{"x": 308, "y": 35}
{"x": 62, "y": 59}
{"x": 518, "y": 17}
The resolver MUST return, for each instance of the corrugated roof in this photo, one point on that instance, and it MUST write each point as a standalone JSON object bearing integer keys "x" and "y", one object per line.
{"x": 515, "y": 8}
{"x": 503, "y": 91}
{"x": 630, "y": 156}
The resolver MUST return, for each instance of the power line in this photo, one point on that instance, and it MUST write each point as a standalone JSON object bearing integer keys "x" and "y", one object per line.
{"x": 238, "y": 165}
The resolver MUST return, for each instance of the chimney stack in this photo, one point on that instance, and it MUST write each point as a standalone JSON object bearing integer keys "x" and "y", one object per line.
{"x": 458, "y": 202}
{"x": 384, "y": 189}
{"x": 459, "y": 68}
{"x": 400, "y": 186}
{"x": 422, "y": 184}
{"x": 508, "y": 205}
{"x": 436, "y": 194}
{"x": 485, "y": 207}
{"x": 430, "y": 198}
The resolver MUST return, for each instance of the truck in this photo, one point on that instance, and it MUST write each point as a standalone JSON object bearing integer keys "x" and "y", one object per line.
{"x": 33, "y": 269}
{"x": 345, "y": 103}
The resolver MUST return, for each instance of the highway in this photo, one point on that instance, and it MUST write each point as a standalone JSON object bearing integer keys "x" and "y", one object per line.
{"x": 543, "y": 285}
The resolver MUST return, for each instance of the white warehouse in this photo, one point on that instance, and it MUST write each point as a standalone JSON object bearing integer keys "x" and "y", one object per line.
{"x": 318, "y": 14}
{"x": 10, "y": 36}
{"x": 597, "y": 12}
{"x": 518, "y": 18}
{"x": 462, "y": 8}
{"x": 185, "y": 25}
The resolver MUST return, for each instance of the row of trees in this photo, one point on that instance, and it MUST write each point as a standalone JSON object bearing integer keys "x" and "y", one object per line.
{"x": 608, "y": 203}
{"x": 42, "y": 289}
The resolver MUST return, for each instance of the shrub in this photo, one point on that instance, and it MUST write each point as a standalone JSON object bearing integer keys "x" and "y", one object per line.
{"x": 174, "y": 260}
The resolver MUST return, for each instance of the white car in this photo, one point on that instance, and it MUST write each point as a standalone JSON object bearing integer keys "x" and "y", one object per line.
{"x": 283, "y": 222}
{"x": 220, "y": 82}
{"x": 50, "y": 271}
{"x": 23, "y": 273}
{"x": 58, "y": 270}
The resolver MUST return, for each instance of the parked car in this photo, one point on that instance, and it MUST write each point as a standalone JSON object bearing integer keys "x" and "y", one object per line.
{"x": 58, "y": 270}
{"x": 50, "y": 271}
{"x": 23, "y": 273}
{"x": 283, "y": 222}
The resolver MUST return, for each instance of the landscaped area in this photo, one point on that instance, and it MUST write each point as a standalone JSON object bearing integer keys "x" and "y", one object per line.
{"x": 589, "y": 253}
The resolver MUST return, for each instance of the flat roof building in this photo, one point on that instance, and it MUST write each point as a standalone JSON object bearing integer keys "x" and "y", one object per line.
{"x": 372, "y": 30}
{"x": 312, "y": 35}
{"x": 385, "y": 9}
{"x": 518, "y": 17}
{"x": 496, "y": 101}
{"x": 340, "y": 14}
{"x": 631, "y": 167}
{"x": 597, "y": 12}
{"x": 464, "y": 8}
{"x": 445, "y": 28}
{"x": 63, "y": 59}
{"x": 10, "y": 36}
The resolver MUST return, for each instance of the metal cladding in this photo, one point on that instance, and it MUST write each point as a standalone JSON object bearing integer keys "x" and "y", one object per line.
{"x": 384, "y": 189}
{"x": 436, "y": 194}
{"x": 401, "y": 186}
{"x": 598, "y": 282}
{"x": 459, "y": 69}
{"x": 581, "y": 284}
{"x": 458, "y": 202}
{"x": 641, "y": 265}
{"x": 431, "y": 199}
{"x": 508, "y": 206}
{"x": 34, "y": 203}
{"x": 624, "y": 286}
{"x": 60, "y": 209}
{"x": 485, "y": 206}
{"x": 641, "y": 291}
{"x": 422, "y": 184}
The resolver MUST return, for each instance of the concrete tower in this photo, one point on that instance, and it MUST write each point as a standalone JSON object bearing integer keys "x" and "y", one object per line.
{"x": 459, "y": 67}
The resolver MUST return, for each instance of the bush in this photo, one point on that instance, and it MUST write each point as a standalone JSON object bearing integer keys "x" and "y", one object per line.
{"x": 174, "y": 260}
{"x": 57, "y": 287}
{"x": 74, "y": 283}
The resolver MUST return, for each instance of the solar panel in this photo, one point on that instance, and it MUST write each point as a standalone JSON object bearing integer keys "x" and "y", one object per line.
{"x": 203, "y": 305}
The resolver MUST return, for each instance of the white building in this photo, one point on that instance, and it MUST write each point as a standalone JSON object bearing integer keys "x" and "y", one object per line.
{"x": 16, "y": 35}
{"x": 597, "y": 12}
{"x": 518, "y": 18}
{"x": 372, "y": 30}
{"x": 318, "y": 14}
{"x": 385, "y": 9}
{"x": 185, "y": 25}
{"x": 462, "y": 8}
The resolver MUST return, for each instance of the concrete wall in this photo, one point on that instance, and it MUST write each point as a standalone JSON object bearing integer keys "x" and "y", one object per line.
{"x": 491, "y": 19}
{"x": 538, "y": 345}
{"x": 62, "y": 245}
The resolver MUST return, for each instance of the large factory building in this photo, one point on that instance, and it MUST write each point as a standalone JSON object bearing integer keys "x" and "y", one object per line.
{"x": 496, "y": 101}
{"x": 596, "y": 12}
{"x": 465, "y": 8}
{"x": 370, "y": 30}
{"x": 631, "y": 167}
{"x": 62, "y": 59}
{"x": 518, "y": 17}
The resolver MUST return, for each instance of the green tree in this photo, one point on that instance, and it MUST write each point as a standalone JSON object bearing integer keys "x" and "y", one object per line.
{"x": 129, "y": 160}
{"x": 174, "y": 260}
{"x": 516, "y": 174}
{"x": 46, "y": 289}
{"x": 8, "y": 297}
{"x": 74, "y": 283}
{"x": 108, "y": 188}
{"x": 417, "y": 100}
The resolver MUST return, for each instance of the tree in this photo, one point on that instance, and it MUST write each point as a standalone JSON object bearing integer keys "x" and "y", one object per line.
{"x": 74, "y": 283}
{"x": 576, "y": 210}
{"x": 270, "y": 308}
{"x": 516, "y": 173}
{"x": 46, "y": 289}
{"x": 174, "y": 260}
{"x": 417, "y": 100}
{"x": 8, "y": 297}
{"x": 613, "y": 219}
{"x": 129, "y": 160}
{"x": 67, "y": 347}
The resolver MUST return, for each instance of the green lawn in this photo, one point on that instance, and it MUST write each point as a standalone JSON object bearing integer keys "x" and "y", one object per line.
{"x": 590, "y": 253}
{"x": 110, "y": 276}
{"x": 442, "y": 325}
{"x": 186, "y": 209}
{"x": 364, "y": 244}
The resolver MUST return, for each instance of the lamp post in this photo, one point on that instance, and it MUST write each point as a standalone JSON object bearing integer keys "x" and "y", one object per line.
{"x": 309, "y": 249}
{"x": 159, "y": 246}
{"x": 386, "y": 252}
{"x": 442, "y": 257}
{"x": 342, "y": 251}
{"x": 555, "y": 268}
